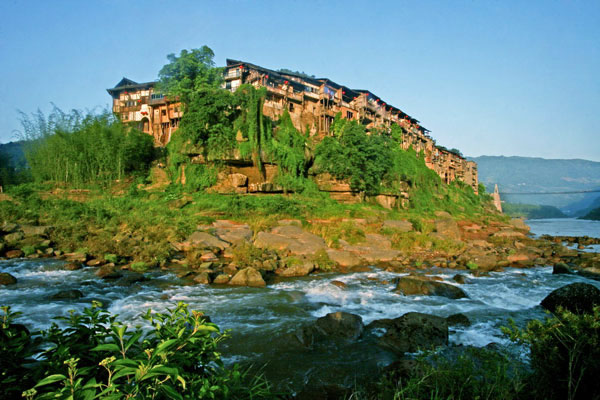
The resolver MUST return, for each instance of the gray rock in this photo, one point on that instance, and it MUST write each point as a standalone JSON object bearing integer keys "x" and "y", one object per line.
{"x": 72, "y": 294}
{"x": 205, "y": 240}
{"x": 7, "y": 279}
{"x": 340, "y": 324}
{"x": 248, "y": 277}
{"x": 412, "y": 332}
{"x": 458, "y": 319}
{"x": 578, "y": 298}
{"x": 410, "y": 285}
{"x": 561, "y": 268}
{"x": 343, "y": 258}
{"x": 447, "y": 228}
{"x": 398, "y": 225}
{"x": 13, "y": 238}
{"x": 221, "y": 279}
{"x": 301, "y": 269}
{"x": 14, "y": 254}
{"x": 202, "y": 278}
{"x": 459, "y": 278}
{"x": 30, "y": 230}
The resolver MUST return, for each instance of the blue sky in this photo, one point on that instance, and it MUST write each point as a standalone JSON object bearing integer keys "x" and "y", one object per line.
{"x": 495, "y": 77}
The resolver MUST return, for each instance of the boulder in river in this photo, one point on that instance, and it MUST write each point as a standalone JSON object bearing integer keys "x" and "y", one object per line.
{"x": 71, "y": 294}
{"x": 108, "y": 271}
{"x": 412, "y": 331}
{"x": 561, "y": 268}
{"x": 202, "y": 278}
{"x": 14, "y": 254}
{"x": 458, "y": 319}
{"x": 72, "y": 266}
{"x": 459, "y": 278}
{"x": 578, "y": 298}
{"x": 340, "y": 324}
{"x": 7, "y": 279}
{"x": 248, "y": 277}
{"x": 409, "y": 285}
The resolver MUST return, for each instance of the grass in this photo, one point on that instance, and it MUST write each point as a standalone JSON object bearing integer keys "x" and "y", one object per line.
{"x": 137, "y": 225}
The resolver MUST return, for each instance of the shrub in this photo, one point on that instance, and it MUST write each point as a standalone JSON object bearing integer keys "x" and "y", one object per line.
{"x": 111, "y": 258}
{"x": 564, "y": 353}
{"x": 28, "y": 250}
{"x": 139, "y": 266}
{"x": 95, "y": 356}
{"x": 472, "y": 265}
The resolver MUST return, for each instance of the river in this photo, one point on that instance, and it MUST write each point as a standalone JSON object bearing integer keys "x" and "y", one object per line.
{"x": 262, "y": 320}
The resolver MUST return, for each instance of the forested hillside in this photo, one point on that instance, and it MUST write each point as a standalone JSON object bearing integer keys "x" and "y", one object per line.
{"x": 528, "y": 174}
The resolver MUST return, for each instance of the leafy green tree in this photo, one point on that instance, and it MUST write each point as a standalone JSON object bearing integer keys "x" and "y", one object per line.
{"x": 189, "y": 72}
{"x": 352, "y": 154}
{"x": 78, "y": 148}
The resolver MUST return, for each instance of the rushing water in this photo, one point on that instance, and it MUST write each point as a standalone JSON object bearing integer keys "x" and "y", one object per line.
{"x": 263, "y": 320}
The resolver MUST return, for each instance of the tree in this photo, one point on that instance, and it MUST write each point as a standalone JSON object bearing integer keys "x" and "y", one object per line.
{"x": 189, "y": 72}
{"x": 352, "y": 154}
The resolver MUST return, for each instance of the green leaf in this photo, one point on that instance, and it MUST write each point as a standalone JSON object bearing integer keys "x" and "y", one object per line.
{"x": 133, "y": 339}
{"x": 164, "y": 346}
{"x": 107, "y": 347}
{"x": 170, "y": 392}
{"x": 51, "y": 379}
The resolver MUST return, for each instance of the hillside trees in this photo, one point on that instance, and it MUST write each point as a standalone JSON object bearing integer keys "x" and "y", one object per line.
{"x": 352, "y": 154}
{"x": 81, "y": 148}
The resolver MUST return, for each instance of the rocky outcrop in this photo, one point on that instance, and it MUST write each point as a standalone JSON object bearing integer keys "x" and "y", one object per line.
{"x": 412, "y": 332}
{"x": 446, "y": 228}
{"x": 248, "y": 277}
{"x": 341, "y": 325}
{"x": 232, "y": 232}
{"x": 7, "y": 279}
{"x": 202, "y": 240}
{"x": 411, "y": 285}
{"x": 398, "y": 225}
{"x": 578, "y": 298}
{"x": 344, "y": 258}
{"x": 291, "y": 239}
{"x": 301, "y": 268}
{"x": 508, "y": 233}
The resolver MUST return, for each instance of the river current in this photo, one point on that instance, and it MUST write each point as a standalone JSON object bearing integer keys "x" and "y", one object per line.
{"x": 262, "y": 320}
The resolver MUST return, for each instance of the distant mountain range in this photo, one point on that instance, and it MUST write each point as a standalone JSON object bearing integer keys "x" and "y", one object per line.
{"x": 534, "y": 175}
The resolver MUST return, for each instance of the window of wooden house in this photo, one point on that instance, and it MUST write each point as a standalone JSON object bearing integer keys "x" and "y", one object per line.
{"x": 349, "y": 114}
{"x": 291, "y": 107}
{"x": 164, "y": 112}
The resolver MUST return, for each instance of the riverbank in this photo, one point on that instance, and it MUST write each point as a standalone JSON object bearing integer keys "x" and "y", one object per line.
{"x": 434, "y": 260}
{"x": 257, "y": 240}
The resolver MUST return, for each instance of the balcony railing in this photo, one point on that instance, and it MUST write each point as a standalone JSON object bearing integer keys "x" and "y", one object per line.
{"x": 233, "y": 73}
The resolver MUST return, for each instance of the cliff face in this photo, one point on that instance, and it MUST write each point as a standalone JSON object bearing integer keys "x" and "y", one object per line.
{"x": 312, "y": 104}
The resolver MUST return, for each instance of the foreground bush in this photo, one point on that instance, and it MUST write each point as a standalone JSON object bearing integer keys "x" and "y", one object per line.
{"x": 563, "y": 364}
{"x": 95, "y": 356}
{"x": 565, "y": 350}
